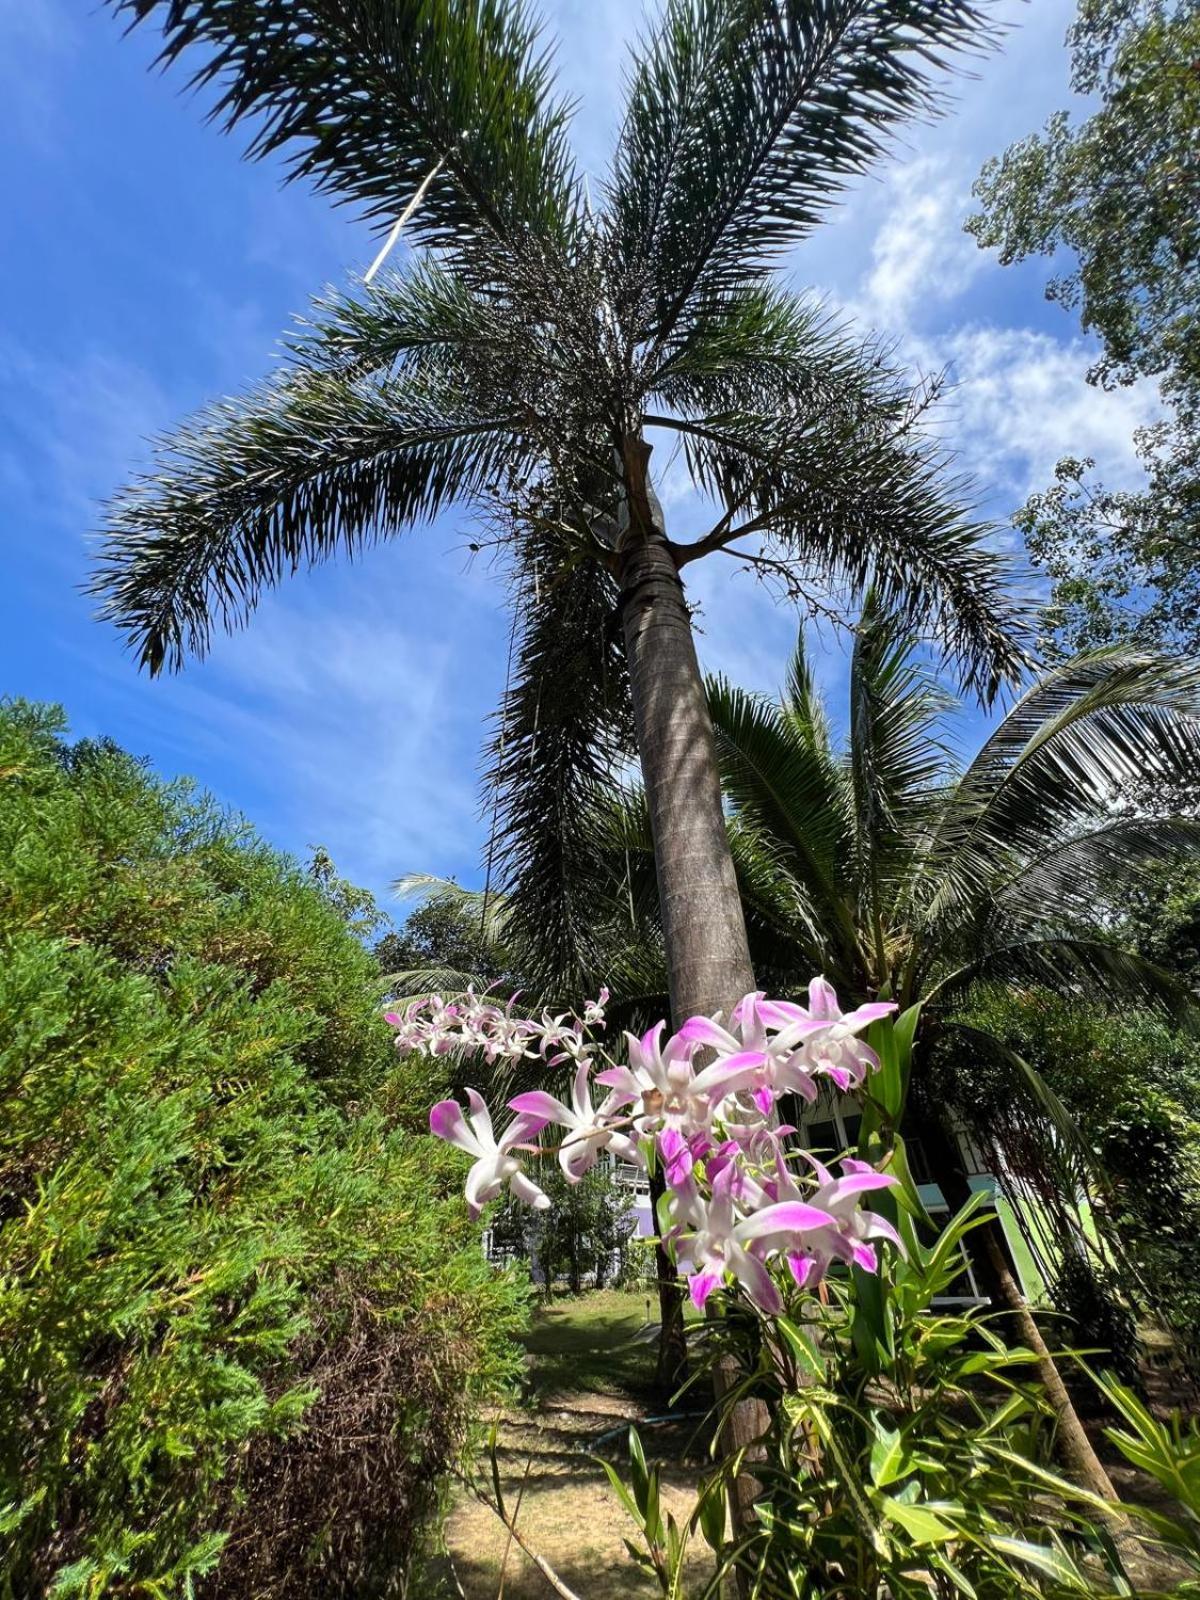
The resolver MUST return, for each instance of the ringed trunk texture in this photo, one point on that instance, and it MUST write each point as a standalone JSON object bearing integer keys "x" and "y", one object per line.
{"x": 708, "y": 959}
{"x": 704, "y": 932}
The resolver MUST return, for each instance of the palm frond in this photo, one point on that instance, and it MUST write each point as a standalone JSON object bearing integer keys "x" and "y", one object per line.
{"x": 785, "y": 783}
{"x": 788, "y": 933}
{"x": 562, "y": 731}
{"x": 305, "y": 467}
{"x": 853, "y": 494}
{"x": 755, "y": 343}
{"x": 487, "y": 908}
{"x": 1027, "y": 1081}
{"x": 895, "y": 755}
{"x": 418, "y": 983}
{"x": 400, "y": 318}
{"x": 367, "y": 98}
{"x": 1077, "y": 879}
{"x": 746, "y": 119}
{"x": 1053, "y": 766}
{"x": 1079, "y": 968}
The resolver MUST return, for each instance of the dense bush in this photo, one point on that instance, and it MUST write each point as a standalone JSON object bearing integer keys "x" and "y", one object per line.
{"x": 242, "y": 1318}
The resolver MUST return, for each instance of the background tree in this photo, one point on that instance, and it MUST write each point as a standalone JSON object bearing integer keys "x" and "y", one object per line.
{"x": 1116, "y": 193}
{"x": 1131, "y": 1085}
{"x": 533, "y": 342}
{"x": 453, "y": 939}
{"x": 585, "y": 1235}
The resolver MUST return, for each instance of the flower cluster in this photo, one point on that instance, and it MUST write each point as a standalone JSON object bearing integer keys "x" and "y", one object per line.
{"x": 740, "y": 1195}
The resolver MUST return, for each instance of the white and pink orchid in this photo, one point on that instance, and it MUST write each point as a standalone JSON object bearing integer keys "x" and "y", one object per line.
{"x": 590, "y": 1129}
{"x": 734, "y": 1204}
{"x": 494, "y": 1166}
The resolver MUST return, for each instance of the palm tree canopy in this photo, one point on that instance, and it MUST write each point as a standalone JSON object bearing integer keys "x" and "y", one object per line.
{"x": 531, "y": 332}
{"x": 885, "y": 864}
{"x": 528, "y": 338}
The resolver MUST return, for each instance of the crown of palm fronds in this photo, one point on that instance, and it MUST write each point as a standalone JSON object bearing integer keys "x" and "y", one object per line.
{"x": 528, "y": 334}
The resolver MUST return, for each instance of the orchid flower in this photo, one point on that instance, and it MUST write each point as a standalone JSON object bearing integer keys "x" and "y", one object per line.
{"x": 494, "y": 1165}
{"x": 722, "y": 1244}
{"x": 732, "y": 1202}
{"x": 829, "y": 1033}
{"x": 589, "y": 1127}
{"x": 853, "y": 1228}
{"x": 661, "y": 1077}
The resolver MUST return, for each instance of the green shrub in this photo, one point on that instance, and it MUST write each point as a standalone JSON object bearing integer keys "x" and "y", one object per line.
{"x": 242, "y": 1318}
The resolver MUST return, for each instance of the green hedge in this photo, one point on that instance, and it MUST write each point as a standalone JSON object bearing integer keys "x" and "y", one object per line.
{"x": 242, "y": 1318}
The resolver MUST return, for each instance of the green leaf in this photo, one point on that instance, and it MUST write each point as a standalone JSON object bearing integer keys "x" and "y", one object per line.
{"x": 802, "y": 1347}
{"x": 710, "y": 1513}
{"x": 922, "y": 1525}
{"x": 1052, "y": 1563}
{"x": 889, "y": 1458}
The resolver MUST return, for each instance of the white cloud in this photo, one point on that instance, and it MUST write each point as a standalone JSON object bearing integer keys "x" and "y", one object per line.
{"x": 1022, "y": 401}
{"x": 920, "y": 255}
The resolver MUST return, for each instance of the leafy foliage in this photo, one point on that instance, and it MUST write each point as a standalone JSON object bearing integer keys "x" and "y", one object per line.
{"x": 367, "y": 98}
{"x": 221, "y": 1267}
{"x": 906, "y": 1454}
{"x": 1170, "y": 1453}
{"x": 1130, "y": 1085}
{"x": 446, "y": 943}
{"x": 1115, "y": 194}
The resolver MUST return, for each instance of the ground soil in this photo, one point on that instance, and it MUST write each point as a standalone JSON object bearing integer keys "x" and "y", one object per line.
{"x": 590, "y": 1378}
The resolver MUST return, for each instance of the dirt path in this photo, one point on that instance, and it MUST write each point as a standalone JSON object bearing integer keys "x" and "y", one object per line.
{"x": 569, "y": 1513}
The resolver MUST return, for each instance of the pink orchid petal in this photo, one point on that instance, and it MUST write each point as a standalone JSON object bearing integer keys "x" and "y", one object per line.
{"x": 701, "y": 1285}
{"x": 823, "y": 1000}
{"x": 786, "y": 1216}
{"x": 860, "y": 1183}
{"x": 538, "y": 1103}
{"x": 865, "y": 1257}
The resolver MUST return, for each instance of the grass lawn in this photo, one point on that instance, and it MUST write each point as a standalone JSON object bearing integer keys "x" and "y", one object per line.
{"x": 602, "y": 1343}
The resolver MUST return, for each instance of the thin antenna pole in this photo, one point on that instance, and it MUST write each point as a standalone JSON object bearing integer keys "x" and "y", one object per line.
{"x": 402, "y": 219}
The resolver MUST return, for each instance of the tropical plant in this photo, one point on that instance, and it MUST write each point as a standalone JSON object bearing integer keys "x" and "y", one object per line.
{"x": 528, "y": 354}
{"x": 584, "y": 1235}
{"x": 1131, "y": 1085}
{"x": 222, "y": 1268}
{"x": 907, "y": 1454}
{"x": 1168, "y": 1452}
{"x": 453, "y": 940}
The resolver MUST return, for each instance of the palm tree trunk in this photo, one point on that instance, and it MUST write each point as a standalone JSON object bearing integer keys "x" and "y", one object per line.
{"x": 704, "y": 932}
{"x": 1074, "y": 1447}
{"x": 708, "y": 957}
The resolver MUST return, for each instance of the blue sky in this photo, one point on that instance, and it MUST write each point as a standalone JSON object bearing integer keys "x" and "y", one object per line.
{"x": 147, "y": 268}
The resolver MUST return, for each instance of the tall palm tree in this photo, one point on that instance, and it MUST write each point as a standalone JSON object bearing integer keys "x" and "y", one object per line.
{"x": 522, "y": 360}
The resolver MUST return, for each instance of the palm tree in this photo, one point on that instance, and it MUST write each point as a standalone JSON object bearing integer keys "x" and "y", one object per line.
{"x": 883, "y": 863}
{"x": 527, "y": 355}
{"x": 524, "y": 358}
